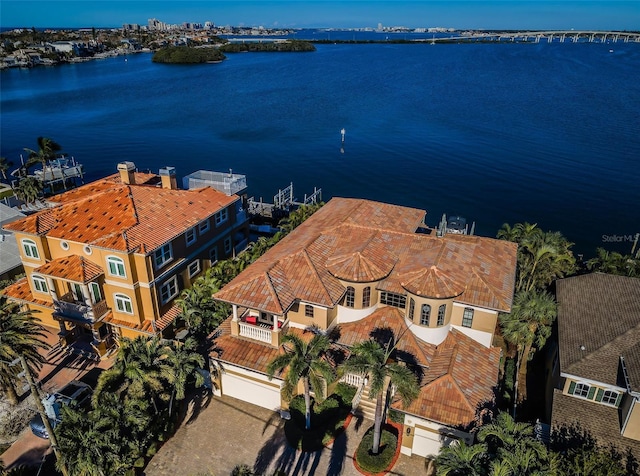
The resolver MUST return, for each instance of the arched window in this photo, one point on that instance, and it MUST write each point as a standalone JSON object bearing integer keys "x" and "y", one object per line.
{"x": 350, "y": 297}
{"x": 467, "y": 317}
{"x": 441, "y": 312}
{"x": 30, "y": 249}
{"x": 366, "y": 297}
{"x": 39, "y": 284}
{"x": 412, "y": 308}
{"x": 425, "y": 314}
{"x": 116, "y": 266}
{"x": 123, "y": 303}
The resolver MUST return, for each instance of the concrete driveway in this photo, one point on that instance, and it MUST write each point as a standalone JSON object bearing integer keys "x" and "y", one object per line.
{"x": 224, "y": 432}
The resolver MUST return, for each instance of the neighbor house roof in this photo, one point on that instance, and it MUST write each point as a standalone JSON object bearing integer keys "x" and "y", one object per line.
{"x": 9, "y": 253}
{"x": 598, "y": 322}
{"x": 20, "y": 291}
{"x": 601, "y": 421}
{"x": 357, "y": 240}
{"x": 72, "y": 268}
{"x": 112, "y": 215}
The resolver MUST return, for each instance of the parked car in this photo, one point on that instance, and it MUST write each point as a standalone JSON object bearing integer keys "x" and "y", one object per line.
{"x": 75, "y": 394}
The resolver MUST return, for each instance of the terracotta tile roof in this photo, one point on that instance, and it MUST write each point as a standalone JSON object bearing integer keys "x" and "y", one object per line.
{"x": 72, "y": 268}
{"x": 601, "y": 421}
{"x": 145, "y": 327}
{"x": 461, "y": 377}
{"x": 121, "y": 217}
{"x": 168, "y": 317}
{"x": 392, "y": 319}
{"x": 20, "y": 291}
{"x": 431, "y": 282}
{"x": 358, "y": 240}
{"x": 600, "y": 312}
{"x": 243, "y": 352}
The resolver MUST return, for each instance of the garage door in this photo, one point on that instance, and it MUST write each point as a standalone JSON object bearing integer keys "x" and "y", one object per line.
{"x": 425, "y": 443}
{"x": 250, "y": 391}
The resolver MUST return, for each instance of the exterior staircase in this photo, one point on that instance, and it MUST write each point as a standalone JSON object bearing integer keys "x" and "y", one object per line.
{"x": 366, "y": 406}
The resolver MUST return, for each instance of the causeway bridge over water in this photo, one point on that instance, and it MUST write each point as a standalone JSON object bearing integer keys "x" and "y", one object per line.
{"x": 556, "y": 36}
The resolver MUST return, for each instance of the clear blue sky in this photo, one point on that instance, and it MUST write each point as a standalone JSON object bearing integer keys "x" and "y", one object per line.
{"x": 507, "y": 14}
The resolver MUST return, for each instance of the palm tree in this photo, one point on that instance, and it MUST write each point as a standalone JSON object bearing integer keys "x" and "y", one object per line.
{"x": 304, "y": 361}
{"x": 181, "y": 362}
{"x": 461, "y": 460}
{"x": 47, "y": 149}
{"x": 612, "y": 262}
{"x": 28, "y": 189}
{"x": 136, "y": 373}
{"x": 505, "y": 432}
{"x": 527, "y": 327}
{"x": 542, "y": 256}
{"x": 21, "y": 334}
{"x": 91, "y": 444}
{"x": 375, "y": 362}
{"x": 4, "y": 166}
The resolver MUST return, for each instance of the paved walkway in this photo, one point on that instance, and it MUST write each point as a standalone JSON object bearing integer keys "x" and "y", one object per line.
{"x": 227, "y": 432}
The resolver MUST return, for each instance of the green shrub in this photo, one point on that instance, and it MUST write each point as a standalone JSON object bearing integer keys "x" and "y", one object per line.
{"x": 396, "y": 416}
{"x": 345, "y": 392}
{"x": 380, "y": 462}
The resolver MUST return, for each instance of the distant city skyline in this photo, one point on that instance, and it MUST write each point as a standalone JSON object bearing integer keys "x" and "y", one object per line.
{"x": 459, "y": 14}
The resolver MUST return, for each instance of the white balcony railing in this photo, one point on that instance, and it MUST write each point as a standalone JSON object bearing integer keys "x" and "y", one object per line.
{"x": 352, "y": 379}
{"x": 255, "y": 332}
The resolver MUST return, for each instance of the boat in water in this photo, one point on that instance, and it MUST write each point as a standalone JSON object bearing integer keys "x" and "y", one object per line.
{"x": 455, "y": 225}
{"x": 61, "y": 168}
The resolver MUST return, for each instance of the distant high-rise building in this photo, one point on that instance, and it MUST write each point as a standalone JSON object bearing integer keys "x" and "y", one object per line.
{"x": 379, "y": 27}
{"x": 208, "y": 25}
{"x": 154, "y": 24}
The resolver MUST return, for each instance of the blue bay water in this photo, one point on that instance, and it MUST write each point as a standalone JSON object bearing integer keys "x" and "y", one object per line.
{"x": 494, "y": 132}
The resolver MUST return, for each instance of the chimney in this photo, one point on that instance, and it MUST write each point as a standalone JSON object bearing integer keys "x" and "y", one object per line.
{"x": 127, "y": 172}
{"x": 168, "y": 177}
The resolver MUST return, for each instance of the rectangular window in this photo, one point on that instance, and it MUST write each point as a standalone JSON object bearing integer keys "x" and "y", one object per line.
{"x": 308, "y": 311}
{"x": 162, "y": 255}
{"x": 116, "y": 266}
{"x": 467, "y": 317}
{"x": 221, "y": 216}
{"x": 213, "y": 255}
{"x": 194, "y": 268}
{"x": 610, "y": 397}
{"x": 76, "y": 290}
{"x": 190, "y": 236}
{"x": 203, "y": 227}
{"x": 227, "y": 245}
{"x": 169, "y": 290}
{"x": 40, "y": 284}
{"x": 30, "y": 249}
{"x": 442, "y": 310}
{"x": 393, "y": 299}
{"x": 425, "y": 315}
{"x": 412, "y": 308}
{"x": 96, "y": 295}
{"x": 350, "y": 297}
{"x": 581, "y": 390}
{"x": 123, "y": 303}
{"x": 366, "y": 297}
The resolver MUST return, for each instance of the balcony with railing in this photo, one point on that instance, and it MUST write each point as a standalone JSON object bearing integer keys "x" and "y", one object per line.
{"x": 250, "y": 327}
{"x": 68, "y": 307}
